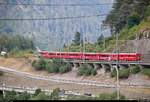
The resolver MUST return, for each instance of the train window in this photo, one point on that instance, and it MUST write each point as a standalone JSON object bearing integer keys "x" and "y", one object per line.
{"x": 51, "y": 53}
{"x": 122, "y": 55}
{"x": 73, "y": 54}
{"x": 132, "y": 56}
{"x": 104, "y": 55}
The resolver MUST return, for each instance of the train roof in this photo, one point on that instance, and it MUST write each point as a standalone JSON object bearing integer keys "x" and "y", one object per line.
{"x": 88, "y": 52}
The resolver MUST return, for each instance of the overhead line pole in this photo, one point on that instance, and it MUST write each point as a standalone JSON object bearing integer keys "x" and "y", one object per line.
{"x": 84, "y": 42}
{"x": 117, "y": 69}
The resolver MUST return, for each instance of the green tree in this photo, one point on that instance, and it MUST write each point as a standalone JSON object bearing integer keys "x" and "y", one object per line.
{"x": 147, "y": 13}
{"x": 23, "y": 96}
{"x": 77, "y": 39}
{"x": 49, "y": 67}
{"x": 10, "y": 96}
{"x": 123, "y": 13}
{"x": 41, "y": 96}
{"x": 100, "y": 39}
{"x": 134, "y": 19}
{"x": 37, "y": 91}
{"x": 18, "y": 42}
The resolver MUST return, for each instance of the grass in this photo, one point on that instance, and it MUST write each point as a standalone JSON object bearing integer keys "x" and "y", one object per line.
{"x": 103, "y": 96}
{"x": 21, "y": 53}
{"x": 135, "y": 69}
{"x": 146, "y": 71}
{"x": 113, "y": 96}
{"x": 123, "y": 74}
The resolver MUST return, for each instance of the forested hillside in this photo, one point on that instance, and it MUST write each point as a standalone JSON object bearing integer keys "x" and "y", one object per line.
{"x": 17, "y": 42}
{"x": 16, "y": 45}
{"x": 127, "y": 13}
{"x": 128, "y": 18}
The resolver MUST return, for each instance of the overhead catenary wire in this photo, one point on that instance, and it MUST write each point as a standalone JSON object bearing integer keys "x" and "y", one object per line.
{"x": 31, "y": 4}
{"x": 81, "y": 4}
{"x": 56, "y": 18}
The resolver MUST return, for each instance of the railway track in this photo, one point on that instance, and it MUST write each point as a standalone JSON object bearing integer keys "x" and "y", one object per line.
{"x": 81, "y": 82}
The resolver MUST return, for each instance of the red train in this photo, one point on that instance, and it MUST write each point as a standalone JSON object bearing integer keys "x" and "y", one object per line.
{"x": 92, "y": 56}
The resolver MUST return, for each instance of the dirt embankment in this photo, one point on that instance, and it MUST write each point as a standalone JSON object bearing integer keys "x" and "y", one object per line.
{"x": 23, "y": 64}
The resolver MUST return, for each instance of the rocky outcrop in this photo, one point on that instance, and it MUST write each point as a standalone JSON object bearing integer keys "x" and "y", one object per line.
{"x": 53, "y": 34}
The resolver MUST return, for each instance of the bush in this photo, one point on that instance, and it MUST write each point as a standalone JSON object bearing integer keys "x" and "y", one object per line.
{"x": 23, "y": 96}
{"x": 56, "y": 66}
{"x": 40, "y": 96}
{"x": 134, "y": 19}
{"x": 37, "y": 91}
{"x": 81, "y": 69}
{"x": 34, "y": 62}
{"x": 10, "y": 95}
{"x": 135, "y": 69}
{"x": 65, "y": 68}
{"x": 86, "y": 70}
{"x": 1, "y": 73}
{"x": 52, "y": 68}
{"x": 113, "y": 96}
{"x": 55, "y": 94}
{"x": 113, "y": 73}
{"x": 124, "y": 73}
{"x": 40, "y": 64}
{"x": 146, "y": 71}
{"x": 104, "y": 96}
{"x": 94, "y": 72}
{"x": 147, "y": 13}
{"x": 36, "y": 65}
{"x": 49, "y": 67}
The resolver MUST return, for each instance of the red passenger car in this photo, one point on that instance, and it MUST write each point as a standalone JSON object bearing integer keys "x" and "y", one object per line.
{"x": 93, "y": 56}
